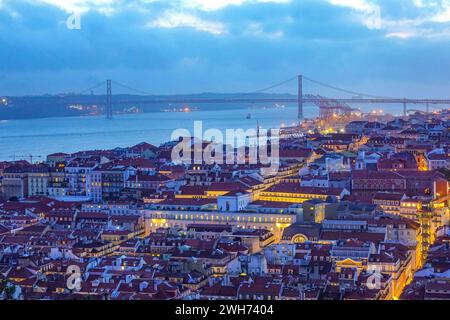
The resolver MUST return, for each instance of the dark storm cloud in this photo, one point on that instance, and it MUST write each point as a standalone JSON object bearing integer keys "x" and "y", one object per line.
{"x": 168, "y": 47}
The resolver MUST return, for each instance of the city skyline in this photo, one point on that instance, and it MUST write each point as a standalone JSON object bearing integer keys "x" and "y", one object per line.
{"x": 227, "y": 157}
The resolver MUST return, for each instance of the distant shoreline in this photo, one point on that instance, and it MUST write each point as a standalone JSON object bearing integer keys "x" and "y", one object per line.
{"x": 159, "y": 109}
{"x": 42, "y": 107}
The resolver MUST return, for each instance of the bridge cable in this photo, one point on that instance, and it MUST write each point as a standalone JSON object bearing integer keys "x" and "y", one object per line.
{"x": 263, "y": 89}
{"x": 230, "y": 98}
{"x": 133, "y": 89}
{"x": 344, "y": 90}
{"x": 92, "y": 88}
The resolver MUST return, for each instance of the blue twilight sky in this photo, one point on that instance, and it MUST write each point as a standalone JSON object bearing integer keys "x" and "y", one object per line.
{"x": 385, "y": 47}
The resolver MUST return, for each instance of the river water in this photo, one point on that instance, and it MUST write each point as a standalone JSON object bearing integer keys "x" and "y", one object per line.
{"x": 45, "y": 136}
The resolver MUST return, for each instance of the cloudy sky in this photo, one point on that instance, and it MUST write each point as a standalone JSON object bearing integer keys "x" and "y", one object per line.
{"x": 384, "y": 47}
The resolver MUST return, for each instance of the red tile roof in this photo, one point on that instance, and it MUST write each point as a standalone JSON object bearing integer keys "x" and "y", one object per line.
{"x": 393, "y": 196}
{"x": 289, "y": 187}
{"x": 296, "y": 153}
{"x": 360, "y": 236}
{"x": 226, "y": 186}
{"x": 187, "y": 201}
{"x": 193, "y": 190}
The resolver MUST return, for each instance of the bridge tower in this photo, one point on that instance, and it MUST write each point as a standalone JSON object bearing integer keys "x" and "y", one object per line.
{"x": 405, "y": 110}
{"x": 109, "y": 112}
{"x": 300, "y": 99}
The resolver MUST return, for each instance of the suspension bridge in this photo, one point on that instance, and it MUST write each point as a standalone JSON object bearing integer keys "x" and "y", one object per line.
{"x": 327, "y": 106}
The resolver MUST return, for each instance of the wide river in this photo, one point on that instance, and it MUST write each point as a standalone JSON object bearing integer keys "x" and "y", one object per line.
{"x": 40, "y": 137}
{"x": 45, "y": 136}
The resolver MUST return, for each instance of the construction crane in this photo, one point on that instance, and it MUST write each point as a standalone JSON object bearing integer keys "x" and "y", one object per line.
{"x": 28, "y": 156}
